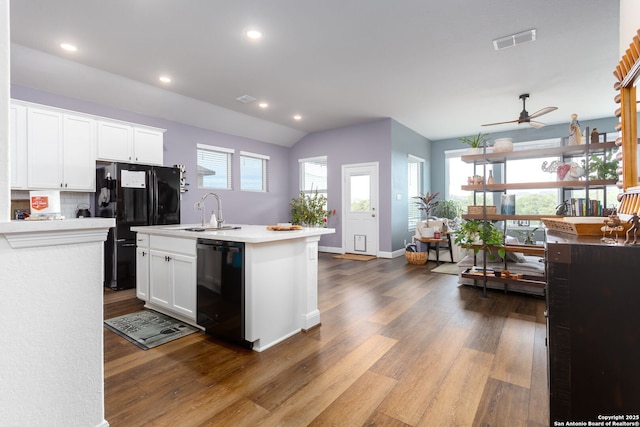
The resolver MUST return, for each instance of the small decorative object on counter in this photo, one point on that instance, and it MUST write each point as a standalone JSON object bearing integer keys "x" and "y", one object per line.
{"x": 575, "y": 134}
{"x": 595, "y": 136}
{"x": 635, "y": 220}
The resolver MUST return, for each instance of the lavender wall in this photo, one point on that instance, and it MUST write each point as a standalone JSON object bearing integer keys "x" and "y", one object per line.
{"x": 368, "y": 142}
{"x": 180, "y": 148}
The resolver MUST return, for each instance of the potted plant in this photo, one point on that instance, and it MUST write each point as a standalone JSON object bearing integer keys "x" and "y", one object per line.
{"x": 450, "y": 210}
{"x": 475, "y": 143}
{"x": 426, "y": 202}
{"x": 527, "y": 236}
{"x": 602, "y": 168}
{"x": 478, "y": 235}
{"x": 309, "y": 209}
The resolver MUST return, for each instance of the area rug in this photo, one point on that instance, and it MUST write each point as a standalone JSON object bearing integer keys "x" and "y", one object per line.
{"x": 148, "y": 328}
{"x": 447, "y": 268}
{"x": 356, "y": 257}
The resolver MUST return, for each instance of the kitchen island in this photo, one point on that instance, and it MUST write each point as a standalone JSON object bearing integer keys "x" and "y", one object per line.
{"x": 280, "y": 276}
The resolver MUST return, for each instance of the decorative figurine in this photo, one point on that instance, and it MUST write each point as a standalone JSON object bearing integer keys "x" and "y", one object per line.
{"x": 575, "y": 134}
{"x": 612, "y": 224}
{"x": 595, "y": 136}
{"x": 568, "y": 171}
{"x": 563, "y": 208}
{"x": 635, "y": 219}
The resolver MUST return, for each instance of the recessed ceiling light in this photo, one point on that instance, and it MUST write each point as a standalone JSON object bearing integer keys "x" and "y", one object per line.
{"x": 297, "y": 117}
{"x": 263, "y": 105}
{"x": 69, "y": 47}
{"x": 253, "y": 34}
{"x": 165, "y": 79}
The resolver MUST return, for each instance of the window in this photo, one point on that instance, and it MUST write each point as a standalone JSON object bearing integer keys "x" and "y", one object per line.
{"x": 253, "y": 172}
{"x": 214, "y": 166}
{"x": 415, "y": 174}
{"x": 313, "y": 175}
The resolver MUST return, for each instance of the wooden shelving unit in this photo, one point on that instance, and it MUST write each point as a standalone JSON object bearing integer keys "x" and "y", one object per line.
{"x": 569, "y": 150}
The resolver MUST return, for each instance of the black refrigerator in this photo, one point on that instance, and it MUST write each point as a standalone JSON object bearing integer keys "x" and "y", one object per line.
{"x": 135, "y": 195}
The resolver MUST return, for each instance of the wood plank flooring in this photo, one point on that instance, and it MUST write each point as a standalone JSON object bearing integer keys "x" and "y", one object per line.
{"x": 398, "y": 346}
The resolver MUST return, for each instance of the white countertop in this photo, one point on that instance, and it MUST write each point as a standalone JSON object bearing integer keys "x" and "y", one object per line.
{"x": 246, "y": 233}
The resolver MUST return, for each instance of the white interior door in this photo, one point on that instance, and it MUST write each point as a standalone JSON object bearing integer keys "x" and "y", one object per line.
{"x": 360, "y": 208}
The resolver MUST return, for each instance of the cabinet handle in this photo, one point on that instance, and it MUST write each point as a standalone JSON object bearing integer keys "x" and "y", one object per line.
{"x": 144, "y": 253}
{"x": 167, "y": 258}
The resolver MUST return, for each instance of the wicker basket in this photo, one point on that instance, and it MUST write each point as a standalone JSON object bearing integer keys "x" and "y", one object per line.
{"x": 477, "y": 210}
{"x": 417, "y": 258}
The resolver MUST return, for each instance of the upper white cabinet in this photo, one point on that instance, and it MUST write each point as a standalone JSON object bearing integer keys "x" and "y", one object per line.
{"x": 148, "y": 145}
{"x": 60, "y": 151}
{"x": 114, "y": 141}
{"x": 79, "y": 152}
{"x": 18, "y": 146}
{"x": 122, "y": 142}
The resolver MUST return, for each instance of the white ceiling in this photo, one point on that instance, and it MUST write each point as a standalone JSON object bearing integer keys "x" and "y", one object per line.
{"x": 429, "y": 65}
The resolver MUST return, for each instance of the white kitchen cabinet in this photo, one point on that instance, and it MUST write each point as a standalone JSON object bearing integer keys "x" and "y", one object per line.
{"x": 18, "y": 146}
{"x": 172, "y": 275}
{"x": 148, "y": 146}
{"x": 60, "y": 151}
{"x": 44, "y": 149}
{"x": 142, "y": 266}
{"x": 114, "y": 141}
{"x": 79, "y": 152}
{"x": 123, "y": 142}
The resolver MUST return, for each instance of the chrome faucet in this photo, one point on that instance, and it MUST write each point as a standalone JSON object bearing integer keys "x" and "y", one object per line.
{"x": 200, "y": 206}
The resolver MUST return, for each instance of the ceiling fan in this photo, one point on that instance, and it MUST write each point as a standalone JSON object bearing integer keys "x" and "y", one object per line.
{"x": 525, "y": 117}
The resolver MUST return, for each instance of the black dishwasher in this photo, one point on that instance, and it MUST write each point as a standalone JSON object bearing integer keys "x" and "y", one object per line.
{"x": 220, "y": 291}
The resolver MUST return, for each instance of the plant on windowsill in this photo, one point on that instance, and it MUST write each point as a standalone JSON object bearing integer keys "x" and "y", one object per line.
{"x": 309, "y": 210}
{"x": 451, "y": 210}
{"x": 477, "y": 234}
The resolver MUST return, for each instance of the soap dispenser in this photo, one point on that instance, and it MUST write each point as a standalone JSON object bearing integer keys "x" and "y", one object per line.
{"x": 213, "y": 221}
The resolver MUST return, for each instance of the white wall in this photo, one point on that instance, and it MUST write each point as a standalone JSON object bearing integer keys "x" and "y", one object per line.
{"x": 51, "y": 361}
{"x": 629, "y": 23}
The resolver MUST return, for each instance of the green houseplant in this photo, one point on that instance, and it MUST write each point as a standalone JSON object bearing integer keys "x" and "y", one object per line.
{"x": 602, "y": 168}
{"x": 478, "y": 235}
{"x": 309, "y": 209}
{"x": 449, "y": 209}
{"x": 476, "y": 141}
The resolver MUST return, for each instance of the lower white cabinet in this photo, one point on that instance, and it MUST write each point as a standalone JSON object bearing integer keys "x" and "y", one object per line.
{"x": 172, "y": 275}
{"x": 142, "y": 266}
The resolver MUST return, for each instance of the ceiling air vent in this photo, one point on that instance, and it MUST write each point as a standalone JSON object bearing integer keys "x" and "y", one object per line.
{"x": 514, "y": 39}
{"x": 245, "y": 99}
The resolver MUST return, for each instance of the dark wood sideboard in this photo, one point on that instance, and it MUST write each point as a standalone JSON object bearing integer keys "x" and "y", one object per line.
{"x": 593, "y": 329}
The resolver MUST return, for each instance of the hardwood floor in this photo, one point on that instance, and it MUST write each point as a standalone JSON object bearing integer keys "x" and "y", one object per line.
{"x": 398, "y": 346}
